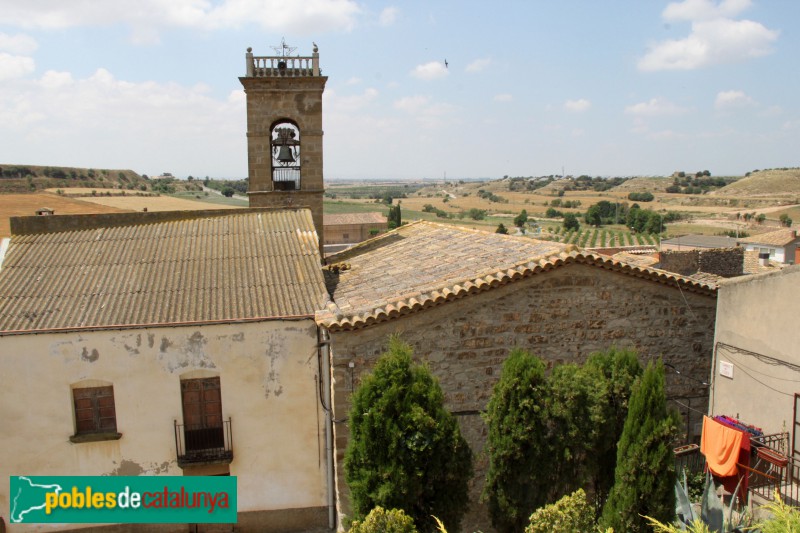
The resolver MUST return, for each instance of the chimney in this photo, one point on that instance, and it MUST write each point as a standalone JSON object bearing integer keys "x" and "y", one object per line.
{"x": 763, "y": 258}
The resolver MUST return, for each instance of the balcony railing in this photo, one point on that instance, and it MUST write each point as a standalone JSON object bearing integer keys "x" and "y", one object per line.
{"x": 282, "y": 66}
{"x": 199, "y": 445}
{"x": 770, "y": 470}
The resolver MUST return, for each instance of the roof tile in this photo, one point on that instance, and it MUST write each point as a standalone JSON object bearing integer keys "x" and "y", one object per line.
{"x": 233, "y": 266}
{"x": 424, "y": 264}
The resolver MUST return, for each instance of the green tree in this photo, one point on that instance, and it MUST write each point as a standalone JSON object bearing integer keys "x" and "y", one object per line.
{"x": 615, "y": 371}
{"x": 521, "y": 219}
{"x": 380, "y": 520}
{"x": 406, "y": 450}
{"x": 395, "y": 218}
{"x": 644, "y": 478}
{"x": 593, "y": 217}
{"x": 501, "y": 229}
{"x": 228, "y": 192}
{"x": 520, "y": 461}
{"x": 571, "y": 222}
{"x": 785, "y": 220}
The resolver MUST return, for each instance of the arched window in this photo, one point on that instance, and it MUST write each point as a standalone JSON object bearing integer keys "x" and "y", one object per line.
{"x": 285, "y": 157}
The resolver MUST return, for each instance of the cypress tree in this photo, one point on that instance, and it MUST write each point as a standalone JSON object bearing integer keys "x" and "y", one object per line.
{"x": 519, "y": 451}
{"x": 615, "y": 371}
{"x": 644, "y": 478}
{"x": 406, "y": 451}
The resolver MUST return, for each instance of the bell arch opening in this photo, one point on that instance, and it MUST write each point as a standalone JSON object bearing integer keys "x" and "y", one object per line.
{"x": 285, "y": 142}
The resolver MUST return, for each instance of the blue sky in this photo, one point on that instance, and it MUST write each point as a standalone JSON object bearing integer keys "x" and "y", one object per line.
{"x": 623, "y": 87}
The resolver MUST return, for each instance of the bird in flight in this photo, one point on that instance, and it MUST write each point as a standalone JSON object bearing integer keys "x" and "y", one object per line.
{"x": 445, "y": 64}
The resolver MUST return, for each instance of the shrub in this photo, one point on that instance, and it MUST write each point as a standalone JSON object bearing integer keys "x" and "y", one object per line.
{"x": 570, "y": 514}
{"x": 381, "y": 521}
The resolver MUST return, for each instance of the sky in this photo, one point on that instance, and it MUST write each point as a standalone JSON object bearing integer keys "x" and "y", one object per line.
{"x": 416, "y": 89}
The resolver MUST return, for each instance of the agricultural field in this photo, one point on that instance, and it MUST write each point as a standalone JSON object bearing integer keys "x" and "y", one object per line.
{"x": 14, "y": 205}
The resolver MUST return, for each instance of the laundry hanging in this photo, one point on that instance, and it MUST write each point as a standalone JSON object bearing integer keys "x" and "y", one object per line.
{"x": 720, "y": 445}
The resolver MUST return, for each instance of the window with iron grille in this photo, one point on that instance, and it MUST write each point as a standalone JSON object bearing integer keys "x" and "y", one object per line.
{"x": 94, "y": 410}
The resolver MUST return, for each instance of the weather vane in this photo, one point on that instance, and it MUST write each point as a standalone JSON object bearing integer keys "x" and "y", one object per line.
{"x": 284, "y": 49}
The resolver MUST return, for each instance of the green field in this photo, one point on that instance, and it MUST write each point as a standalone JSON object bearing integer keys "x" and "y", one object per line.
{"x": 211, "y": 198}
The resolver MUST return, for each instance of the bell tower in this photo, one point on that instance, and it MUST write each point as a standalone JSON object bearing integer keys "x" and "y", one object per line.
{"x": 284, "y": 131}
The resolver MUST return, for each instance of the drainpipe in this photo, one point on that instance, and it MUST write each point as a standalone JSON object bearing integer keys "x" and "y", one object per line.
{"x": 324, "y": 349}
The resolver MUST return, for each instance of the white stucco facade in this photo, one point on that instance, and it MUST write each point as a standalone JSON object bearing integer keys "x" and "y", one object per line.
{"x": 756, "y": 367}
{"x": 269, "y": 375}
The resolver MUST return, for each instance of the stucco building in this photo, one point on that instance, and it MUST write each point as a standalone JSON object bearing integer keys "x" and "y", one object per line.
{"x": 756, "y": 362}
{"x": 464, "y": 298}
{"x": 169, "y": 344}
{"x": 781, "y": 245}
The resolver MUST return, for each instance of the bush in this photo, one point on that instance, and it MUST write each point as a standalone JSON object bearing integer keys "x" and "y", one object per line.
{"x": 381, "y": 521}
{"x": 406, "y": 450}
{"x": 570, "y": 514}
{"x": 641, "y": 197}
{"x": 228, "y": 192}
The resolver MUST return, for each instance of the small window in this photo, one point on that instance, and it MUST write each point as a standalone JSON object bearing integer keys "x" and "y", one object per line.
{"x": 95, "y": 414}
{"x": 345, "y": 235}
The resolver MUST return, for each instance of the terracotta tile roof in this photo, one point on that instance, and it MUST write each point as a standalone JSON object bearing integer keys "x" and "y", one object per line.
{"x": 636, "y": 259}
{"x": 781, "y": 237}
{"x": 425, "y": 264}
{"x": 234, "y": 266}
{"x": 752, "y": 265}
{"x": 350, "y": 219}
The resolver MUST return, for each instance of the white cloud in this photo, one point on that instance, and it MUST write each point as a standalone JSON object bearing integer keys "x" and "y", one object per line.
{"x": 715, "y": 37}
{"x": 146, "y": 16}
{"x": 353, "y": 81}
{"x": 704, "y": 9}
{"x": 655, "y": 107}
{"x": 17, "y": 44}
{"x": 388, "y": 16}
{"x": 430, "y": 71}
{"x": 351, "y": 103}
{"x": 577, "y": 106}
{"x": 732, "y": 99}
{"x": 504, "y": 97}
{"x": 101, "y": 121}
{"x": 478, "y": 65}
{"x": 411, "y": 104}
{"x": 12, "y": 66}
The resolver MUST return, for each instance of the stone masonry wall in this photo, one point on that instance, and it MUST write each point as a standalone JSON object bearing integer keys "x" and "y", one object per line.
{"x": 563, "y": 316}
{"x": 726, "y": 262}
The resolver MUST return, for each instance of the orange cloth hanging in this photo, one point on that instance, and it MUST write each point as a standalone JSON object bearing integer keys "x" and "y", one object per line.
{"x": 720, "y": 444}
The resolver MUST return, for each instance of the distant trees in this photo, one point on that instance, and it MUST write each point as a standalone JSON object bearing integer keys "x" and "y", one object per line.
{"x": 571, "y": 222}
{"x": 501, "y": 229}
{"x": 228, "y": 192}
{"x": 785, "y": 220}
{"x": 406, "y": 450}
{"x": 521, "y": 219}
{"x": 395, "y": 217}
{"x": 641, "y": 196}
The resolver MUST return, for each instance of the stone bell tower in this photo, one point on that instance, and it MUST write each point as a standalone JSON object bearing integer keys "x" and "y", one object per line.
{"x": 284, "y": 131}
